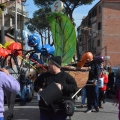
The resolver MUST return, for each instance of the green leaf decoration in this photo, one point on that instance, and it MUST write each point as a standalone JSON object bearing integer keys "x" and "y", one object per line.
{"x": 64, "y": 36}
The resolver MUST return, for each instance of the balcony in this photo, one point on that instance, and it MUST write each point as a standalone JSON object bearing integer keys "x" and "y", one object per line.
{"x": 93, "y": 19}
{"x": 20, "y": 9}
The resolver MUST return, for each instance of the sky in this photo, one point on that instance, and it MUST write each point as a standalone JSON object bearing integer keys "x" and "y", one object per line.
{"x": 78, "y": 13}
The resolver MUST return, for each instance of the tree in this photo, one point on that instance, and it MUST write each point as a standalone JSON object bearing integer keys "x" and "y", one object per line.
{"x": 39, "y": 24}
{"x": 69, "y": 5}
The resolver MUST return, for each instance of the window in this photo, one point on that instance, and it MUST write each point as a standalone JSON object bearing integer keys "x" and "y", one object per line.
{"x": 99, "y": 9}
{"x": 94, "y": 12}
{"x": 80, "y": 39}
{"x": 98, "y": 43}
{"x": 99, "y": 26}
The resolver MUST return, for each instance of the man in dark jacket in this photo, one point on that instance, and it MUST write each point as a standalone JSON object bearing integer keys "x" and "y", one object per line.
{"x": 66, "y": 84}
{"x": 92, "y": 87}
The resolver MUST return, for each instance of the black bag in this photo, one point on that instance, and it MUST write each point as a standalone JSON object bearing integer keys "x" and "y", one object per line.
{"x": 69, "y": 107}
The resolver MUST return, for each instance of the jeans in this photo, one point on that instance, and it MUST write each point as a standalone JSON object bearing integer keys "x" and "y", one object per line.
{"x": 1, "y": 118}
{"x": 24, "y": 92}
{"x": 50, "y": 115}
{"x": 83, "y": 95}
{"x": 92, "y": 96}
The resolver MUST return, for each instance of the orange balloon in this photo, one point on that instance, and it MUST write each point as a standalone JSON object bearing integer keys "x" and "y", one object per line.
{"x": 15, "y": 46}
{"x": 4, "y": 52}
{"x": 86, "y": 56}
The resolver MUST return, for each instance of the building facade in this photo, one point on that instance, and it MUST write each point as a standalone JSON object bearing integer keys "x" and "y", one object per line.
{"x": 102, "y": 31}
{"x": 9, "y": 18}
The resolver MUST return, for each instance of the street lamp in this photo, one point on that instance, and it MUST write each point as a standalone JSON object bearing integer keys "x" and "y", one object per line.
{"x": 107, "y": 60}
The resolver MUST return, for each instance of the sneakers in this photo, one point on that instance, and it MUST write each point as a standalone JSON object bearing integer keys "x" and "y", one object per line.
{"x": 88, "y": 111}
{"x": 103, "y": 101}
{"x": 82, "y": 106}
{"x": 101, "y": 107}
{"x": 22, "y": 103}
{"x": 96, "y": 108}
{"x": 9, "y": 117}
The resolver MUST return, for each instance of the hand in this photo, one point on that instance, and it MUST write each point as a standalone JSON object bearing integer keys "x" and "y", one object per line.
{"x": 4, "y": 70}
{"x": 59, "y": 86}
{"x": 40, "y": 90}
{"x": 28, "y": 86}
{"x": 94, "y": 83}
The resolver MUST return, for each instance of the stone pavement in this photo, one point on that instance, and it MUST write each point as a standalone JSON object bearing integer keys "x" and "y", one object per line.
{"x": 109, "y": 112}
{"x": 31, "y": 112}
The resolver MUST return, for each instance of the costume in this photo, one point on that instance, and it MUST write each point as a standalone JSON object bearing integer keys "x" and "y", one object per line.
{"x": 24, "y": 85}
{"x": 9, "y": 83}
{"x": 56, "y": 109}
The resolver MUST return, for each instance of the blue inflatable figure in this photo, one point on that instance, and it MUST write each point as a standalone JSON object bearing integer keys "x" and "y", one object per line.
{"x": 45, "y": 50}
{"x": 35, "y": 57}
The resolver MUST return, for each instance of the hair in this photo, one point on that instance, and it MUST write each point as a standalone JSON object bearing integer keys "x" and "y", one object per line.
{"x": 110, "y": 70}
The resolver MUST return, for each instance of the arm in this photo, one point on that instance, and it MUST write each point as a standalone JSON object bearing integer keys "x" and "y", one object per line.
{"x": 9, "y": 82}
{"x": 70, "y": 84}
{"x": 38, "y": 84}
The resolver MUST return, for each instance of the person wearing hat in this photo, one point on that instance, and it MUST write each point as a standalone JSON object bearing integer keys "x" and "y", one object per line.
{"x": 92, "y": 90}
{"x": 64, "y": 82}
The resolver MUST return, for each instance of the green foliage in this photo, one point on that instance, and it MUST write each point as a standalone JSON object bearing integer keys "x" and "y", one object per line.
{"x": 64, "y": 36}
{"x": 38, "y": 22}
{"x": 69, "y": 5}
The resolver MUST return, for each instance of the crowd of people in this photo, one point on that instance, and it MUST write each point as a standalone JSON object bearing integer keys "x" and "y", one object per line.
{"x": 96, "y": 94}
{"x": 100, "y": 85}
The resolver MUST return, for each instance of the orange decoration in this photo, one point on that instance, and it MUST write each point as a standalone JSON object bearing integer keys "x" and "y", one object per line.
{"x": 86, "y": 56}
{"x": 15, "y": 46}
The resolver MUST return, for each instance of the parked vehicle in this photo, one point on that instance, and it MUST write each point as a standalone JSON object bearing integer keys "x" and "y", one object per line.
{"x": 115, "y": 71}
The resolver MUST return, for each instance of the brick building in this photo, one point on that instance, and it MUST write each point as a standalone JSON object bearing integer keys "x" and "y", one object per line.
{"x": 99, "y": 31}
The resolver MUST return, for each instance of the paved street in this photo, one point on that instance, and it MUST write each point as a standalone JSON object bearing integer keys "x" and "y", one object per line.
{"x": 31, "y": 112}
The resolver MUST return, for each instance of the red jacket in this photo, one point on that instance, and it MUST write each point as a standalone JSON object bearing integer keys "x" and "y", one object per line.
{"x": 105, "y": 76}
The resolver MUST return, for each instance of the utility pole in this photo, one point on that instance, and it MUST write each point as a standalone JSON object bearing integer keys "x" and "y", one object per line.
{"x": 15, "y": 21}
{"x": 22, "y": 4}
{"x": 2, "y": 29}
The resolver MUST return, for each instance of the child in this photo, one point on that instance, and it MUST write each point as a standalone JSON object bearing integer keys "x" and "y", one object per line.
{"x": 102, "y": 89}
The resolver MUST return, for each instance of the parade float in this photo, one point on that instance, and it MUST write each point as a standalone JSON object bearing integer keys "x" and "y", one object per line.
{"x": 64, "y": 37}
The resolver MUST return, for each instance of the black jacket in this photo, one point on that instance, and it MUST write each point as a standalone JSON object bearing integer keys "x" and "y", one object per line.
{"x": 67, "y": 81}
{"x": 94, "y": 72}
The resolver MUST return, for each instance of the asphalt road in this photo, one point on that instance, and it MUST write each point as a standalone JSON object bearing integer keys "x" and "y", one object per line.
{"x": 31, "y": 111}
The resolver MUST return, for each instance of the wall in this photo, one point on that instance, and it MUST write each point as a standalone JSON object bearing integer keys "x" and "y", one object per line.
{"x": 111, "y": 34}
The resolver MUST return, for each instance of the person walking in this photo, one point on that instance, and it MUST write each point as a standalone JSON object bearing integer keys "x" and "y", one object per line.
{"x": 12, "y": 68}
{"x": 102, "y": 89}
{"x": 117, "y": 94}
{"x": 9, "y": 83}
{"x": 92, "y": 89}
{"x": 110, "y": 82}
{"x": 66, "y": 84}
